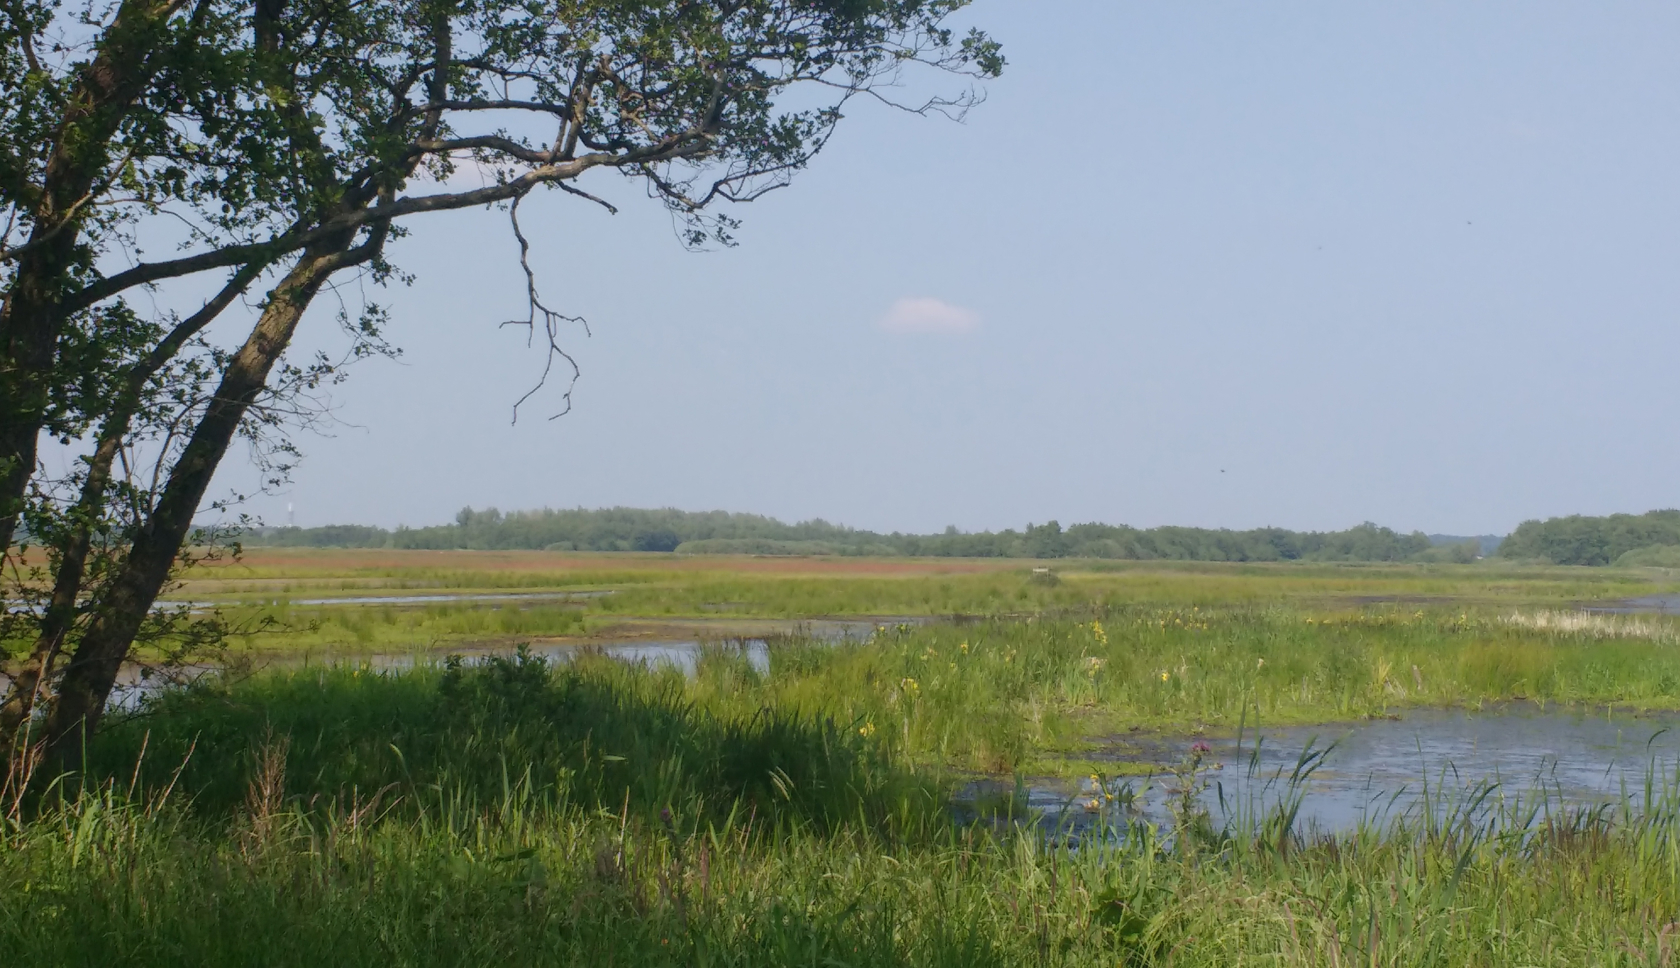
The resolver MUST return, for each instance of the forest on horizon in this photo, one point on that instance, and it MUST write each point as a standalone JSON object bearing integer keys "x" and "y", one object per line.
{"x": 723, "y": 532}
{"x": 1651, "y": 539}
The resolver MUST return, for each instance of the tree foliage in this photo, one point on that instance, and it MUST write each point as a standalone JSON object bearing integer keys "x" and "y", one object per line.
{"x": 720, "y": 532}
{"x": 1583, "y": 540}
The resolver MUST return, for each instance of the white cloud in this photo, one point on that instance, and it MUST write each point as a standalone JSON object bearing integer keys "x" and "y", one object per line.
{"x": 927, "y": 315}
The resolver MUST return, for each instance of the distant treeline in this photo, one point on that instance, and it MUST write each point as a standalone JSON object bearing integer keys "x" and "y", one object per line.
{"x": 1652, "y": 538}
{"x": 720, "y": 532}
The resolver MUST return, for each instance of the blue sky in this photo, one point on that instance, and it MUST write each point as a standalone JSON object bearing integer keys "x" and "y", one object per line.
{"x": 1219, "y": 264}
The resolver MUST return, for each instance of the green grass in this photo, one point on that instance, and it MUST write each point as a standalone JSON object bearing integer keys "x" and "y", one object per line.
{"x": 595, "y": 731}
{"x": 396, "y": 628}
{"x": 605, "y": 815}
{"x": 1011, "y": 695}
{"x": 1039, "y": 694}
{"x": 666, "y": 590}
{"x": 103, "y": 882}
{"x": 518, "y": 812}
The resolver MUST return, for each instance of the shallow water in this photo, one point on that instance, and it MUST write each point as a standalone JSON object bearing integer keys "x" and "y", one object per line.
{"x": 1645, "y": 605}
{"x": 410, "y": 599}
{"x": 682, "y": 654}
{"x": 1375, "y": 772}
{"x": 134, "y": 683}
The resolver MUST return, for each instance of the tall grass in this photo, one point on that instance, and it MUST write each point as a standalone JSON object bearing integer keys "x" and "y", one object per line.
{"x": 397, "y": 628}
{"x": 286, "y": 840}
{"x": 594, "y": 732}
{"x": 592, "y": 812}
{"x": 109, "y": 883}
{"x": 998, "y": 695}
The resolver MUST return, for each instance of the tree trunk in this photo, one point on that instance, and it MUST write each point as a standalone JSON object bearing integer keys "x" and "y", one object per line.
{"x": 92, "y": 670}
{"x": 31, "y": 680}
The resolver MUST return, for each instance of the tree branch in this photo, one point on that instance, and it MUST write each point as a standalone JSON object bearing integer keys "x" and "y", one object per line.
{"x": 551, "y": 323}
{"x": 687, "y": 144}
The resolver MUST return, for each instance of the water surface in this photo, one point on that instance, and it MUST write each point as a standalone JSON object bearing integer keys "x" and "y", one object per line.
{"x": 1644, "y": 605}
{"x": 1378, "y": 771}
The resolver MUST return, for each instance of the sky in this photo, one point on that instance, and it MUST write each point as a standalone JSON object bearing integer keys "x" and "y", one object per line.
{"x": 1216, "y": 264}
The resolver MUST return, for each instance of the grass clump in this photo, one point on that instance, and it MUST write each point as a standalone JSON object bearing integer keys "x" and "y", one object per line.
{"x": 596, "y": 733}
{"x": 1041, "y": 695}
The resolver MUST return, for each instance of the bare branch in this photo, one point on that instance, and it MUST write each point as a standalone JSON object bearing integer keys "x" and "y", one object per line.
{"x": 496, "y": 143}
{"x": 573, "y": 189}
{"x": 187, "y": 328}
{"x": 502, "y": 104}
{"x": 551, "y": 321}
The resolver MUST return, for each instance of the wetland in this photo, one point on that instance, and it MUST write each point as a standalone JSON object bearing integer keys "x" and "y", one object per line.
{"x": 464, "y": 757}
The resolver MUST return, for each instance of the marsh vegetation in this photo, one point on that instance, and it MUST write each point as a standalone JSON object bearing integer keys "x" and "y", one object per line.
{"x": 803, "y": 804}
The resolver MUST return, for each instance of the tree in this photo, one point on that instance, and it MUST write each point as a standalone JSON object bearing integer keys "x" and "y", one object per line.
{"x": 104, "y": 122}
{"x": 89, "y": 137}
{"x": 361, "y": 112}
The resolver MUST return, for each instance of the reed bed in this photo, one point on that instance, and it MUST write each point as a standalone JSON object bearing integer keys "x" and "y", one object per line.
{"x": 1597, "y": 625}
{"x": 1010, "y": 695}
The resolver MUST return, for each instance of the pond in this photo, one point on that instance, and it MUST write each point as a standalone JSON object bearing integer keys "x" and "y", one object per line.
{"x": 1373, "y": 772}
{"x": 683, "y": 653}
{"x": 134, "y": 683}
